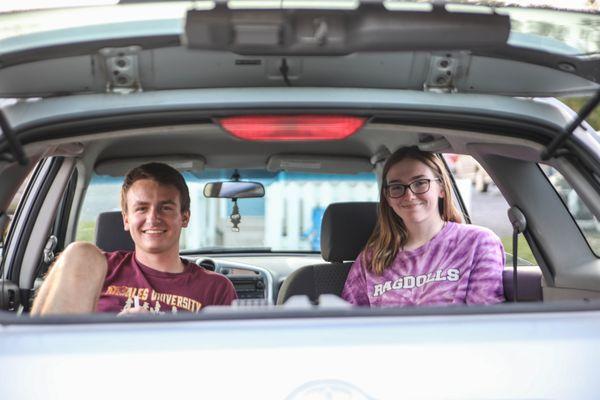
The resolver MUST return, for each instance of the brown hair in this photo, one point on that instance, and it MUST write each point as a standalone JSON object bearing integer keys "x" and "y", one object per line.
{"x": 390, "y": 233}
{"x": 160, "y": 173}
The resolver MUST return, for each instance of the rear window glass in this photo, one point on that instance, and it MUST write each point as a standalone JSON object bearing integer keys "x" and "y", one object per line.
{"x": 288, "y": 218}
{"x": 587, "y": 222}
{"x": 485, "y": 204}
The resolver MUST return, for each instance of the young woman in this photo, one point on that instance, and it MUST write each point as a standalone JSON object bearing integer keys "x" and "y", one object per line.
{"x": 420, "y": 253}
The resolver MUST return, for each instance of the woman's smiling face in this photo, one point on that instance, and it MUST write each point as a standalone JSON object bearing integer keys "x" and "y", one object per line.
{"x": 410, "y": 207}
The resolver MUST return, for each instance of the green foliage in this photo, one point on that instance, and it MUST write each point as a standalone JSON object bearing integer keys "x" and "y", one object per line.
{"x": 524, "y": 251}
{"x": 576, "y": 103}
{"x": 86, "y": 231}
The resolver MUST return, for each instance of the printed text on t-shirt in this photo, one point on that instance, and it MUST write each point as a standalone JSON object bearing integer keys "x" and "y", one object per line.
{"x": 171, "y": 300}
{"x": 413, "y": 281}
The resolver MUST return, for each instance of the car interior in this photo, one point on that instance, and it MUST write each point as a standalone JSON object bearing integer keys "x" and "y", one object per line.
{"x": 227, "y": 95}
{"x": 566, "y": 267}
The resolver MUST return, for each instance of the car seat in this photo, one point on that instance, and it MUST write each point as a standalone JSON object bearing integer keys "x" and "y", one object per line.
{"x": 345, "y": 229}
{"x": 111, "y": 234}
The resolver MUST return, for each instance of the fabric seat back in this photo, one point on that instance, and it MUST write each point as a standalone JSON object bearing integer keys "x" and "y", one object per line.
{"x": 529, "y": 283}
{"x": 345, "y": 229}
{"x": 111, "y": 234}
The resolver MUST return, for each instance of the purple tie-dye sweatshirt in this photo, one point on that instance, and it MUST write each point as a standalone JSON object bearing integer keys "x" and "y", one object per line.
{"x": 461, "y": 264}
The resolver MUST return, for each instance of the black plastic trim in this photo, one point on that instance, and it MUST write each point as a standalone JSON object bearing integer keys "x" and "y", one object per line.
{"x": 15, "y": 271}
{"x": 64, "y": 209}
{"x": 8, "y": 243}
{"x": 369, "y": 27}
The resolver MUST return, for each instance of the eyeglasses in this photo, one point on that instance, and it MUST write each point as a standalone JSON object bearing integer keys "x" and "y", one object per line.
{"x": 420, "y": 186}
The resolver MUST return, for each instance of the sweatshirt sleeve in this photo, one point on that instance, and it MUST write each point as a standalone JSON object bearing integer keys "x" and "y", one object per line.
{"x": 485, "y": 282}
{"x": 355, "y": 289}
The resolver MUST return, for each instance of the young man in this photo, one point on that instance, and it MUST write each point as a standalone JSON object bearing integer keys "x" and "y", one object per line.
{"x": 155, "y": 204}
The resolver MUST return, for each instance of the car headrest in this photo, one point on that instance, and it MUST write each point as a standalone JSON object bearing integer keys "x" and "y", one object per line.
{"x": 111, "y": 234}
{"x": 345, "y": 229}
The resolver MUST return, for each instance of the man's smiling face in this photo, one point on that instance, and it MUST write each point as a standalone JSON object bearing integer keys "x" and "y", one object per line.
{"x": 153, "y": 217}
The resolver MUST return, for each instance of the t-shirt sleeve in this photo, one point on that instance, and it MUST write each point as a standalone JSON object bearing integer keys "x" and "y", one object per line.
{"x": 485, "y": 282}
{"x": 355, "y": 289}
{"x": 225, "y": 294}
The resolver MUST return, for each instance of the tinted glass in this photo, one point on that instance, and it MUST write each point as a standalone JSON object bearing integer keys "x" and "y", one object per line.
{"x": 587, "y": 222}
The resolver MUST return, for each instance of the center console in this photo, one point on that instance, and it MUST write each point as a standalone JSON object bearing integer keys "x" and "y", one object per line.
{"x": 250, "y": 282}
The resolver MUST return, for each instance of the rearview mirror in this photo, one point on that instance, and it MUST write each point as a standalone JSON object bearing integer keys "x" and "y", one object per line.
{"x": 234, "y": 190}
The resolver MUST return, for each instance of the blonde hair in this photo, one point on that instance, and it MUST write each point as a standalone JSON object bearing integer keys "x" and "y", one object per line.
{"x": 390, "y": 233}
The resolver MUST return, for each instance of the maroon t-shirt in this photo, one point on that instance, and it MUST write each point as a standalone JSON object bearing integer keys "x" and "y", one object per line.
{"x": 129, "y": 283}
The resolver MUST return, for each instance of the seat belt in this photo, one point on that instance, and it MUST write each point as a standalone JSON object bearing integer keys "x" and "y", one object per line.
{"x": 519, "y": 223}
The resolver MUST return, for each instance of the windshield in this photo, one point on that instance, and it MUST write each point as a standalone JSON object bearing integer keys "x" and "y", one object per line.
{"x": 540, "y": 25}
{"x": 288, "y": 218}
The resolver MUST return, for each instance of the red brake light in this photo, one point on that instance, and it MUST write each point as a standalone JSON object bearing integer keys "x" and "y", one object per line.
{"x": 292, "y": 127}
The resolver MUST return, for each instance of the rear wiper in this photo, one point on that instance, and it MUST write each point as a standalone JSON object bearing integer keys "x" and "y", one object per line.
{"x": 550, "y": 151}
{"x": 220, "y": 250}
{"x": 14, "y": 145}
